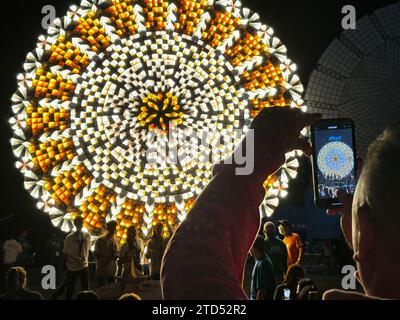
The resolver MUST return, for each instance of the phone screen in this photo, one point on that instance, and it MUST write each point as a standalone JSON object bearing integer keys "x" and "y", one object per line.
{"x": 286, "y": 294}
{"x": 333, "y": 160}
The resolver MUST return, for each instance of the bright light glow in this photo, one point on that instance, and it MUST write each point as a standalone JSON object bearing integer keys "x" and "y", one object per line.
{"x": 112, "y": 73}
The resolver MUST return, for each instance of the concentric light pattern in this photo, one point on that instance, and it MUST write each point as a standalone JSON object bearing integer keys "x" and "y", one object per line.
{"x": 112, "y": 72}
{"x": 336, "y": 159}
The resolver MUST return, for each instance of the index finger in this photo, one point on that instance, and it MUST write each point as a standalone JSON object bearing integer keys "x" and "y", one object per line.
{"x": 307, "y": 119}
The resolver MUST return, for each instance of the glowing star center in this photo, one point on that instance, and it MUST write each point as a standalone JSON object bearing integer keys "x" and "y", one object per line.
{"x": 335, "y": 159}
{"x": 159, "y": 111}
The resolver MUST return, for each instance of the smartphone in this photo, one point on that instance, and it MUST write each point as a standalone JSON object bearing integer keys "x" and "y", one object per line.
{"x": 333, "y": 160}
{"x": 286, "y": 294}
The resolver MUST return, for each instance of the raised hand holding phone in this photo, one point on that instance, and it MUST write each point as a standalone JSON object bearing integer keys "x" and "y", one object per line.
{"x": 333, "y": 161}
{"x": 345, "y": 211}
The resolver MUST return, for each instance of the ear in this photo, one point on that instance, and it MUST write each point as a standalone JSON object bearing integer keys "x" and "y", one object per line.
{"x": 367, "y": 233}
{"x": 347, "y": 228}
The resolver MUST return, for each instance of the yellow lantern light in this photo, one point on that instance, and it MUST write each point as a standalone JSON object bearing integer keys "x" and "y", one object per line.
{"x": 113, "y": 75}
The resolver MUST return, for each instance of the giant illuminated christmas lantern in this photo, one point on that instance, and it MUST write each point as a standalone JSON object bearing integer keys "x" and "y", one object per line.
{"x": 112, "y": 72}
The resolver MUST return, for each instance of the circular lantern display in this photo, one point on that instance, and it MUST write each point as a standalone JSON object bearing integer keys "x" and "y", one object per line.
{"x": 114, "y": 82}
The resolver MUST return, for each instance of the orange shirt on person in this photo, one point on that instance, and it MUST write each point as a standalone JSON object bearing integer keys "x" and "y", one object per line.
{"x": 293, "y": 244}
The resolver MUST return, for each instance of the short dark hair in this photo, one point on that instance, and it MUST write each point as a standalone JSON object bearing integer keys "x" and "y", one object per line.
{"x": 306, "y": 282}
{"x": 16, "y": 278}
{"x": 111, "y": 224}
{"x": 293, "y": 273}
{"x": 381, "y": 168}
{"x": 131, "y": 228}
{"x": 87, "y": 295}
{"x": 285, "y": 223}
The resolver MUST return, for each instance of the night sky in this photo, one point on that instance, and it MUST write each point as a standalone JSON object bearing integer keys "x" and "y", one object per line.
{"x": 305, "y": 27}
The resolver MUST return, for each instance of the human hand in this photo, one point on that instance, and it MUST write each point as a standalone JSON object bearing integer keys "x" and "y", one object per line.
{"x": 345, "y": 211}
{"x": 277, "y": 132}
{"x": 346, "y": 295}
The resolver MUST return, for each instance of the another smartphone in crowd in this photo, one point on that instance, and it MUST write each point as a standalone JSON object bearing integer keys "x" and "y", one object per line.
{"x": 333, "y": 160}
{"x": 286, "y": 294}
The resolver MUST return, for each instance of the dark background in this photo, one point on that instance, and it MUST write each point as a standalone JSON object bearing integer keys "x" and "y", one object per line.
{"x": 305, "y": 27}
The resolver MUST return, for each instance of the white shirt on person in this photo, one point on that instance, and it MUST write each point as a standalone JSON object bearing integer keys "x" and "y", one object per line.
{"x": 12, "y": 248}
{"x": 77, "y": 246}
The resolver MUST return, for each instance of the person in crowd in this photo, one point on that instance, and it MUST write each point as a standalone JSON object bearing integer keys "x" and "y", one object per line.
{"x": 370, "y": 221}
{"x": 156, "y": 248}
{"x": 26, "y": 258}
{"x": 54, "y": 248}
{"x": 293, "y": 276}
{"x": 11, "y": 250}
{"x": 292, "y": 241}
{"x": 130, "y": 296}
{"x": 210, "y": 247}
{"x": 131, "y": 253}
{"x": 307, "y": 290}
{"x": 76, "y": 251}
{"x": 106, "y": 252}
{"x": 16, "y": 286}
{"x": 262, "y": 280}
{"x": 276, "y": 251}
{"x": 87, "y": 295}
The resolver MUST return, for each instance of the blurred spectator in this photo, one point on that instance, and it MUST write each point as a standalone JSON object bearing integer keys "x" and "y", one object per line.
{"x": 60, "y": 290}
{"x": 292, "y": 241}
{"x": 87, "y": 295}
{"x": 16, "y": 286}
{"x": 370, "y": 221}
{"x": 130, "y": 296}
{"x": 11, "y": 249}
{"x": 306, "y": 290}
{"x": 156, "y": 249}
{"x": 130, "y": 254}
{"x": 262, "y": 280}
{"x": 276, "y": 251}
{"x": 293, "y": 276}
{"x": 76, "y": 250}
{"x": 105, "y": 252}
{"x": 26, "y": 258}
{"x": 54, "y": 250}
